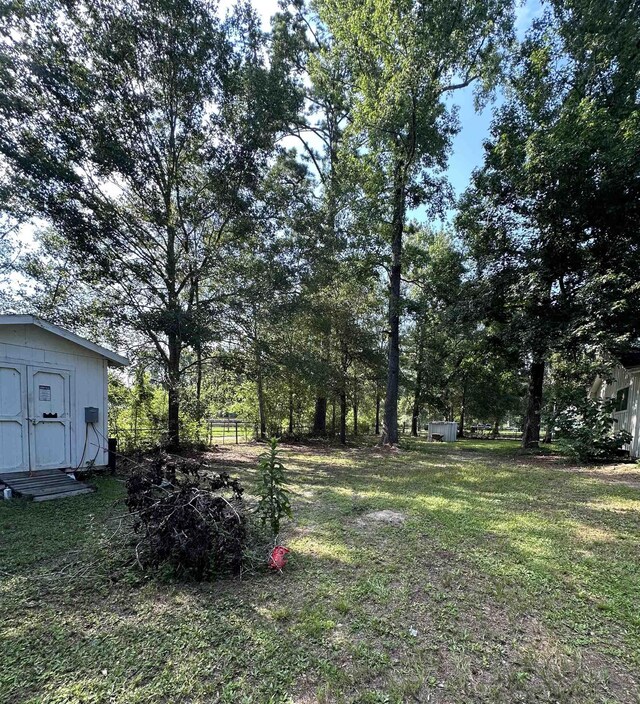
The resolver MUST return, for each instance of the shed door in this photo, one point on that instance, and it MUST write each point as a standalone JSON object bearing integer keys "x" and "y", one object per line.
{"x": 50, "y": 418}
{"x": 14, "y": 432}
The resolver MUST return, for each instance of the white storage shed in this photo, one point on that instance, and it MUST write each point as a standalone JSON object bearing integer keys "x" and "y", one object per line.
{"x": 53, "y": 397}
{"x": 448, "y": 430}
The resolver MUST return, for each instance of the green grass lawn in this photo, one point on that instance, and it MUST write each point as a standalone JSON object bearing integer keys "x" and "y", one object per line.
{"x": 513, "y": 579}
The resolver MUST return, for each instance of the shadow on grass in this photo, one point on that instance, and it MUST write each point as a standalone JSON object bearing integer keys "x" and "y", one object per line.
{"x": 501, "y": 569}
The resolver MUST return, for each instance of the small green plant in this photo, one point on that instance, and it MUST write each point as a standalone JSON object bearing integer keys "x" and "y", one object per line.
{"x": 274, "y": 502}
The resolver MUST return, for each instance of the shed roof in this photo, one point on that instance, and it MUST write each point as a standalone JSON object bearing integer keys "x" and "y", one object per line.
{"x": 115, "y": 359}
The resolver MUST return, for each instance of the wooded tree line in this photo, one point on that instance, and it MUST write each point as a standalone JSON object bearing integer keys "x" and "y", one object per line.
{"x": 256, "y": 217}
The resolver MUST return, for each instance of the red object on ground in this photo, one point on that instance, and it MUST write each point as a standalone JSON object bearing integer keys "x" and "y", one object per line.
{"x": 278, "y": 558}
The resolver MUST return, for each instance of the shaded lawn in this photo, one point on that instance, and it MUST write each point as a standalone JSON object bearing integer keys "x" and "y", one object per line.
{"x": 514, "y": 579}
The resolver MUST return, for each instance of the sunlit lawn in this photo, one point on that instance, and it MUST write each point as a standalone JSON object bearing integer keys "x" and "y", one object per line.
{"x": 513, "y": 579}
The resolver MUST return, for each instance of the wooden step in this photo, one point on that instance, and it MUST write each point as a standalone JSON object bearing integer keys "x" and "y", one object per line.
{"x": 43, "y": 486}
{"x": 39, "y": 480}
{"x": 44, "y": 481}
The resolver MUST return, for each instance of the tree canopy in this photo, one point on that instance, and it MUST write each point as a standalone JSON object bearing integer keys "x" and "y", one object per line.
{"x": 262, "y": 218}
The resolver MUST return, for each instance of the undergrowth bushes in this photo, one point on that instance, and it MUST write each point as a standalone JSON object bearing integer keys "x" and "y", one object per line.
{"x": 588, "y": 432}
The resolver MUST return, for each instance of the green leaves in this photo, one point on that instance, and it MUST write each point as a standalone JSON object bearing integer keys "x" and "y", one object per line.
{"x": 588, "y": 431}
{"x": 552, "y": 218}
{"x": 274, "y": 502}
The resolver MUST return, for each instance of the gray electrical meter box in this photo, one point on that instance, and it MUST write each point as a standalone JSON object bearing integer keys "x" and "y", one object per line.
{"x": 90, "y": 414}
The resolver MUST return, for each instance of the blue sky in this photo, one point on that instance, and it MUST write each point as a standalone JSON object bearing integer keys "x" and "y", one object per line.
{"x": 467, "y": 152}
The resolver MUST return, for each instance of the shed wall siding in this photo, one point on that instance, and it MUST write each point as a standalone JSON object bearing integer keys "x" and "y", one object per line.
{"x": 627, "y": 420}
{"x": 33, "y": 346}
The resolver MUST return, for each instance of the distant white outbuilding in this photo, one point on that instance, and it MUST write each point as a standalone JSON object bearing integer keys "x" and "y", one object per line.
{"x": 53, "y": 397}
{"x": 446, "y": 430}
{"x": 624, "y": 387}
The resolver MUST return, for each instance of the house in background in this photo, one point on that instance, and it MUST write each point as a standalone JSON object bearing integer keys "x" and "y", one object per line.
{"x": 625, "y": 389}
{"x": 53, "y": 398}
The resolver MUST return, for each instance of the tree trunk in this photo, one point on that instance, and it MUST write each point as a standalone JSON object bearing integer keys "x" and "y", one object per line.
{"x": 334, "y": 134}
{"x": 548, "y": 436}
{"x": 198, "y": 390}
{"x": 377, "y": 429}
{"x": 416, "y": 404}
{"x": 173, "y": 392}
{"x": 198, "y": 362}
{"x": 343, "y": 392}
{"x": 333, "y": 417}
{"x": 174, "y": 343}
{"x": 417, "y": 396}
{"x": 260, "y": 390}
{"x": 320, "y": 416}
{"x": 390, "y": 432}
{"x": 531, "y": 434}
{"x": 290, "y": 410}
{"x": 355, "y": 417}
{"x": 320, "y": 411}
{"x": 495, "y": 433}
{"x": 462, "y": 409}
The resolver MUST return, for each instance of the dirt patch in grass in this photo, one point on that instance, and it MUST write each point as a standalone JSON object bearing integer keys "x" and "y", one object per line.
{"x": 384, "y": 517}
